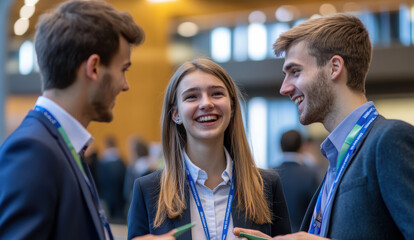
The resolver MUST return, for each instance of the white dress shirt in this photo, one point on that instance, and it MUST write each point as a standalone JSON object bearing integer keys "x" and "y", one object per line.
{"x": 214, "y": 202}
{"x": 77, "y": 134}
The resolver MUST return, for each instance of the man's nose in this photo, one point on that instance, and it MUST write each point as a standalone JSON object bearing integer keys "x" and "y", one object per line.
{"x": 287, "y": 88}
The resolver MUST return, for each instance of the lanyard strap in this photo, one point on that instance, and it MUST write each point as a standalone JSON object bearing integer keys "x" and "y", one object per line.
{"x": 62, "y": 132}
{"x": 344, "y": 156}
{"x": 200, "y": 207}
{"x": 75, "y": 155}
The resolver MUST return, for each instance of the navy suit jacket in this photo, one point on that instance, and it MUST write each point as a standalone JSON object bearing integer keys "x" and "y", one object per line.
{"x": 43, "y": 194}
{"x": 375, "y": 197}
{"x": 145, "y": 199}
{"x": 299, "y": 184}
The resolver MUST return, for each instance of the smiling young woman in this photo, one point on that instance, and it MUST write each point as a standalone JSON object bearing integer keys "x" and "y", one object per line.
{"x": 210, "y": 176}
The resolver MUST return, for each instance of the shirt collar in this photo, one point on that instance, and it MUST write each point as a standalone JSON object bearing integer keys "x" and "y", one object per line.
{"x": 337, "y": 137}
{"x": 200, "y": 175}
{"x": 77, "y": 134}
{"x": 292, "y": 157}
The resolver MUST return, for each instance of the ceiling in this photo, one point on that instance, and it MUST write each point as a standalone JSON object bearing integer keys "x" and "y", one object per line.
{"x": 44, "y": 5}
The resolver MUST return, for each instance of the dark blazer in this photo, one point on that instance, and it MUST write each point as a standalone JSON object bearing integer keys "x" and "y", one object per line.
{"x": 43, "y": 194}
{"x": 299, "y": 184}
{"x": 375, "y": 198}
{"x": 111, "y": 175}
{"x": 145, "y": 198}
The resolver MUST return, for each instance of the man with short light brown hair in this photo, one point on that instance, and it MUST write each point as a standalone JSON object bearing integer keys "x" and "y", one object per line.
{"x": 368, "y": 190}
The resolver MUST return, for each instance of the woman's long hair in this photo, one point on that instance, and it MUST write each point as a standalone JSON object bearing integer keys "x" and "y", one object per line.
{"x": 249, "y": 183}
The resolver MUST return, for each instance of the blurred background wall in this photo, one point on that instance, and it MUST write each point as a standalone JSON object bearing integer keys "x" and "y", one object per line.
{"x": 239, "y": 35}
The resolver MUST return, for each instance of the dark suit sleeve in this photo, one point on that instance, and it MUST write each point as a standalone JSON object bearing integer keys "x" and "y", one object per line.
{"x": 28, "y": 190}
{"x": 280, "y": 218}
{"x": 395, "y": 169}
{"x": 138, "y": 222}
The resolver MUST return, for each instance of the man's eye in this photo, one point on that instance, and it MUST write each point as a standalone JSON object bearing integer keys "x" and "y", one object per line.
{"x": 295, "y": 72}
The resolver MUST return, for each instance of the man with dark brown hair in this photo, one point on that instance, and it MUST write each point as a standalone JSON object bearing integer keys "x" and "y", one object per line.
{"x": 46, "y": 189}
{"x": 368, "y": 190}
{"x": 299, "y": 181}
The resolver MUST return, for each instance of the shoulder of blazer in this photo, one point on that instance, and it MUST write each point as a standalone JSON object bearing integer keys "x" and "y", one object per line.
{"x": 269, "y": 176}
{"x": 384, "y": 130}
{"x": 42, "y": 119}
{"x": 150, "y": 184}
{"x": 36, "y": 126}
{"x": 150, "y": 179}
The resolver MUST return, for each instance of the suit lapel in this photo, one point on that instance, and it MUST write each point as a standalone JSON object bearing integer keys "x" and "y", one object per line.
{"x": 355, "y": 153}
{"x": 351, "y": 160}
{"x": 79, "y": 175}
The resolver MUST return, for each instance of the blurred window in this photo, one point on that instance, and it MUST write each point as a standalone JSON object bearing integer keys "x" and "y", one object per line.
{"x": 240, "y": 43}
{"x": 257, "y": 41}
{"x": 221, "y": 44}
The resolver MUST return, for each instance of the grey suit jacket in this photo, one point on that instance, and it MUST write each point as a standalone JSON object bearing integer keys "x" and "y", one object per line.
{"x": 146, "y": 191}
{"x": 375, "y": 198}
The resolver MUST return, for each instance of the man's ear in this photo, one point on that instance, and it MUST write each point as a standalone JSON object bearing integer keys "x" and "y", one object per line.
{"x": 337, "y": 66}
{"x": 92, "y": 66}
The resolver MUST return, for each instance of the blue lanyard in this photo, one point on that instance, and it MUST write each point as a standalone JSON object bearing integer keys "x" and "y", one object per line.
{"x": 347, "y": 150}
{"x": 200, "y": 207}
{"x": 60, "y": 129}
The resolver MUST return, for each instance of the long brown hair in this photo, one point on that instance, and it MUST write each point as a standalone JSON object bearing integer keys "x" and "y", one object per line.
{"x": 248, "y": 180}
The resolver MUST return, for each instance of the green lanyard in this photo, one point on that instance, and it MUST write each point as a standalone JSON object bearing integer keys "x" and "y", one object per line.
{"x": 348, "y": 142}
{"x": 347, "y": 150}
{"x": 62, "y": 132}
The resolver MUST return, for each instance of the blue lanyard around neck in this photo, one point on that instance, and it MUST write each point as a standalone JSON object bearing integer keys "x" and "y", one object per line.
{"x": 347, "y": 150}
{"x": 64, "y": 135}
{"x": 200, "y": 207}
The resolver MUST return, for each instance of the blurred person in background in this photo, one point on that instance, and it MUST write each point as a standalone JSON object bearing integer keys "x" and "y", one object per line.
{"x": 92, "y": 159}
{"x": 207, "y": 161}
{"x": 140, "y": 164}
{"x": 368, "y": 190}
{"x": 299, "y": 181}
{"x": 312, "y": 156}
{"x": 83, "y": 49}
{"x": 111, "y": 180}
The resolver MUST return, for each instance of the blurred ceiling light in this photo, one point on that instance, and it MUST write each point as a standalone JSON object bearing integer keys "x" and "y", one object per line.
{"x": 21, "y": 26}
{"x": 327, "y": 9}
{"x": 30, "y": 2}
{"x": 160, "y": 1}
{"x": 27, "y": 11}
{"x": 179, "y": 52}
{"x": 26, "y": 57}
{"x": 286, "y": 13}
{"x": 257, "y": 17}
{"x": 187, "y": 29}
{"x": 351, "y": 7}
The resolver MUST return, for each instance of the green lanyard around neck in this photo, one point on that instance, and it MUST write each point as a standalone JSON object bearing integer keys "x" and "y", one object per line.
{"x": 62, "y": 132}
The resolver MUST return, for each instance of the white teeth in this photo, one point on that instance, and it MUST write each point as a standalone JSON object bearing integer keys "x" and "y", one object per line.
{"x": 298, "y": 100}
{"x": 207, "y": 118}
